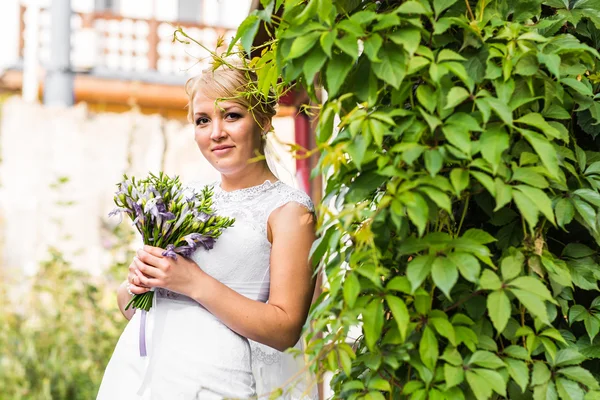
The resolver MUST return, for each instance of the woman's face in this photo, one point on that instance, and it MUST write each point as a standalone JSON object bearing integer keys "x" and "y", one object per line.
{"x": 226, "y": 133}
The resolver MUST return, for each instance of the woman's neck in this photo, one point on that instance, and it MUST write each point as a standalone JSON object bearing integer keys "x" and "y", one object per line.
{"x": 253, "y": 175}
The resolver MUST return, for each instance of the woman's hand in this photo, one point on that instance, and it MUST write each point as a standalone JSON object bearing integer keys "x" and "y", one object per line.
{"x": 152, "y": 269}
{"x": 134, "y": 286}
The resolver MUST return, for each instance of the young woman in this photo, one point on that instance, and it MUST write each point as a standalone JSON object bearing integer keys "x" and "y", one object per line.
{"x": 254, "y": 286}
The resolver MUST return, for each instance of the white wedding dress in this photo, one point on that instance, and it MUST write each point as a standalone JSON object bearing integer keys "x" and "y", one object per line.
{"x": 190, "y": 353}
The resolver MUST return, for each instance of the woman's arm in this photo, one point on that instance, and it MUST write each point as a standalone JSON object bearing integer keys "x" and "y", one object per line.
{"x": 122, "y": 299}
{"x": 277, "y": 323}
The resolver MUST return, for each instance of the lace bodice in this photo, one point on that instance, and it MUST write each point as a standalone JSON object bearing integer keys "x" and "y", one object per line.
{"x": 240, "y": 258}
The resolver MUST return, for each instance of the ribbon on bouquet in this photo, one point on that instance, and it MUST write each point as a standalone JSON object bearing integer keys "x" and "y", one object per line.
{"x": 142, "y": 338}
{"x": 143, "y": 323}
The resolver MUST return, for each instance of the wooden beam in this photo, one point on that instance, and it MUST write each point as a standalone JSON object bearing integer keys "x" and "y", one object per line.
{"x": 91, "y": 89}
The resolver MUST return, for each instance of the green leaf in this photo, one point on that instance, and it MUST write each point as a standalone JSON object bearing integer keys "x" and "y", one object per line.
{"x": 479, "y": 235}
{"x": 587, "y": 213}
{"x": 485, "y": 181}
{"x": 392, "y": 67}
{"x": 579, "y": 86}
{"x": 527, "y": 208}
{"x": 503, "y": 194}
{"x": 372, "y": 46}
{"x": 580, "y": 375}
{"x": 246, "y": 32}
{"x": 453, "y": 375}
{"x": 479, "y": 386}
{"x": 349, "y": 45}
{"x": 569, "y": 390}
{"x": 460, "y": 180}
{"x": 456, "y": 96}
{"x": 440, "y": 5}
{"x": 428, "y": 348}
{"x": 564, "y": 211}
{"x": 373, "y": 322}
{"x": 426, "y": 97}
{"x": 540, "y": 199}
{"x": 313, "y": 64}
{"x": 494, "y": 141}
{"x": 440, "y": 198}
{"x": 357, "y": 150}
{"x": 412, "y": 7}
{"x": 399, "y": 283}
{"x": 541, "y": 373}
{"x": 533, "y": 304}
{"x": 444, "y": 274}
{"x": 433, "y": 161}
{"x": 452, "y": 356}
{"x": 486, "y": 359}
{"x": 517, "y": 352}
{"x": 533, "y": 285}
{"x": 467, "y": 264}
{"x": 489, "y": 280}
{"x": 519, "y": 372}
{"x": 400, "y": 313}
{"x": 378, "y": 383}
{"x": 589, "y": 195}
{"x": 302, "y": 44}
{"x": 530, "y": 177}
{"x": 592, "y": 326}
{"x": 327, "y": 39}
{"x": 409, "y": 38}
{"x": 544, "y": 150}
{"x": 499, "y": 309}
{"x": 577, "y": 313}
{"x": 500, "y": 108}
{"x": 444, "y": 328}
{"x": 418, "y": 211}
{"x": 351, "y": 289}
{"x": 494, "y": 379}
{"x": 458, "y": 136}
{"x": 551, "y": 61}
{"x": 568, "y": 356}
{"x": 577, "y": 250}
{"x": 418, "y": 269}
{"x": 536, "y": 120}
{"x": 512, "y": 265}
{"x": 337, "y": 69}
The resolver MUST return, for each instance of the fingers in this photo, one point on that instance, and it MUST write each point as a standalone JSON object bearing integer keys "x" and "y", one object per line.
{"x": 135, "y": 289}
{"x": 151, "y": 258}
{"x": 148, "y": 282}
{"x": 148, "y": 271}
{"x": 155, "y": 251}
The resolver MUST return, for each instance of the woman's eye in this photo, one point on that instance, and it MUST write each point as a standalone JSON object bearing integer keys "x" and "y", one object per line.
{"x": 233, "y": 116}
{"x": 201, "y": 120}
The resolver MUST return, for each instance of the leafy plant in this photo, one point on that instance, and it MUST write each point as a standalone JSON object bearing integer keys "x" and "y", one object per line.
{"x": 57, "y": 332}
{"x": 460, "y": 224}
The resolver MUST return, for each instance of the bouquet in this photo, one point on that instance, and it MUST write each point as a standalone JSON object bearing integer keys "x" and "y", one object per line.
{"x": 168, "y": 216}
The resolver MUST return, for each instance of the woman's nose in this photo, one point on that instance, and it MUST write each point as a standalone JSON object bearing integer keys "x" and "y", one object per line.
{"x": 217, "y": 131}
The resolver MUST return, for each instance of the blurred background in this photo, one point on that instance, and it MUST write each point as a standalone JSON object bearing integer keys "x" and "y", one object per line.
{"x": 89, "y": 90}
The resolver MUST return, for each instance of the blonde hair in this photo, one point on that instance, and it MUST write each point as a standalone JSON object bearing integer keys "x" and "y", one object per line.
{"x": 232, "y": 82}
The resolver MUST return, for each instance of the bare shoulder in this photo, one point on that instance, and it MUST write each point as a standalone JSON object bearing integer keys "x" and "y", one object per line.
{"x": 294, "y": 211}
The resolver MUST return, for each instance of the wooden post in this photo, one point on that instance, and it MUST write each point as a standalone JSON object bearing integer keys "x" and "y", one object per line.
{"x": 153, "y": 44}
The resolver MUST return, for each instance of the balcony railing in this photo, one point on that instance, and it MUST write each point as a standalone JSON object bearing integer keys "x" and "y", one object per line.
{"x": 114, "y": 43}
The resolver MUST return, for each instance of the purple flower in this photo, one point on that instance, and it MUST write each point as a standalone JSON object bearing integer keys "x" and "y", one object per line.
{"x": 196, "y": 239}
{"x": 202, "y": 216}
{"x": 170, "y": 252}
{"x": 117, "y": 211}
{"x": 139, "y": 214}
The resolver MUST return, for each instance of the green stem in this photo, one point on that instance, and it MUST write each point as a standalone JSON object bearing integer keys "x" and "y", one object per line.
{"x": 464, "y": 214}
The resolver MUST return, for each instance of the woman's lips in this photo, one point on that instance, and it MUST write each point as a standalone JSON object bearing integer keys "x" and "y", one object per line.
{"x": 222, "y": 150}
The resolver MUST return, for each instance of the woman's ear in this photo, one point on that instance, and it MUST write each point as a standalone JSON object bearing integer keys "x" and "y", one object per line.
{"x": 266, "y": 126}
